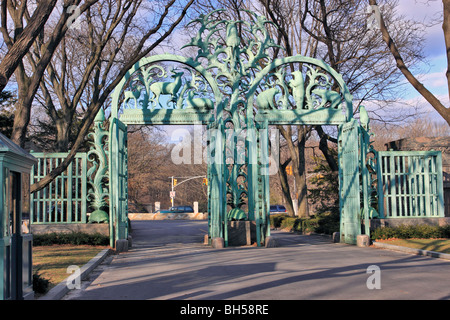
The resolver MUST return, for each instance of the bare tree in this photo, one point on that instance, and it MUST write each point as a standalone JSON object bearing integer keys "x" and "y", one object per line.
{"x": 106, "y": 74}
{"x": 28, "y": 80}
{"x": 405, "y": 70}
{"x": 23, "y": 37}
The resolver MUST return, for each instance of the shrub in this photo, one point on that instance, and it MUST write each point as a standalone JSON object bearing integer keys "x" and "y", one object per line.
{"x": 324, "y": 222}
{"x": 411, "y": 231}
{"x": 74, "y": 238}
{"x": 276, "y": 219}
{"x": 40, "y": 284}
{"x": 288, "y": 223}
{"x": 327, "y": 222}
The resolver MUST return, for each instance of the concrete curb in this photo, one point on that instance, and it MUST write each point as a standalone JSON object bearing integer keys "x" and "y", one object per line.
{"x": 61, "y": 289}
{"x": 419, "y": 252}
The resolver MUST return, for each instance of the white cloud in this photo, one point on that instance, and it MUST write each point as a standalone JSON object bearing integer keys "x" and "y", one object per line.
{"x": 429, "y": 12}
{"x": 434, "y": 79}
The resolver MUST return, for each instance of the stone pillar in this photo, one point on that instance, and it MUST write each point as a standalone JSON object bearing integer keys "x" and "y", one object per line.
{"x": 336, "y": 237}
{"x": 196, "y": 207}
{"x": 362, "y": 240}
{"x": 217, "y": 243}
{"x": 270, "y": 242}
{"x": 121, "y": 245}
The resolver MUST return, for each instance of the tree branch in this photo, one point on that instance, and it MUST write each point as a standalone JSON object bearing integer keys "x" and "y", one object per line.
{"x": 435, "y": 102}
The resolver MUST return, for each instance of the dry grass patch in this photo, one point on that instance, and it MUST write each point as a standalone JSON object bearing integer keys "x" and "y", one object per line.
{"x": 51, "y": 262}
{"x": 438, "y": 245}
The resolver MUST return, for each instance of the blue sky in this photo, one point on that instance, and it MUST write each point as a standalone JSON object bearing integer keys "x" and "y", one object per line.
{"x": 434, "y": 79}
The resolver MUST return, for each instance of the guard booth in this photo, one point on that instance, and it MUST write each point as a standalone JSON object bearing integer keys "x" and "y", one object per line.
{"x": 16, "y": 268}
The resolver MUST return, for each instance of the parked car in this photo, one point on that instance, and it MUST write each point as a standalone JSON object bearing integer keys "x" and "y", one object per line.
{"x": 177, "y": 209}
{"x": 276, "y": 208}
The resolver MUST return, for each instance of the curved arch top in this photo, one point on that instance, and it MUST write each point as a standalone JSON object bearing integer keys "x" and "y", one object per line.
{"x": 331, "y": 115}
{"x": 315, "y": 94}
{"x": 166, "y": 116}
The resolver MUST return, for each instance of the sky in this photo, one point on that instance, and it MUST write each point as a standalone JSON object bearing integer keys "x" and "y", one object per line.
{"x": 434, "y": 78}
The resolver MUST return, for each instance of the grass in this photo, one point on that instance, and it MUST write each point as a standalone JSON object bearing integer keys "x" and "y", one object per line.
{"x": 438, "y": 245}
{"x": 51, "y": 262}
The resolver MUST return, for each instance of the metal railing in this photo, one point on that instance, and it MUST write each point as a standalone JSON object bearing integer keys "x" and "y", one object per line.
{"x": 64, "y": 199}
{"x": 410, "y": 184}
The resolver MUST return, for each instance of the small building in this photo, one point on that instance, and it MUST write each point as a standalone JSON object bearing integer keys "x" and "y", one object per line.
{"x": 16, "y": 267}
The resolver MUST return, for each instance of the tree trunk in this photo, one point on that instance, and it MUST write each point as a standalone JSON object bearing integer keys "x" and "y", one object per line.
{"x": 446, "y": 29}
{"x": 435, "y": 103}
{"x": 62, "y": 134}
{"x": 22, "y": 113}
{"x": 20, "y": 47}
{"x": 285, "y": 190}
{"x": 300, "y": 175}
{"x": 323, "y": 146}
{"x": 21, "y": 121}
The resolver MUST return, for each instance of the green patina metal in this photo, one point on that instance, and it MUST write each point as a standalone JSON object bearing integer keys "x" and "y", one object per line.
{"x": 398, "y": 184}
{"x": 233, "y": 86}
{"x": 64, "y": 200}
{"x": 118, "y": 181}
{"x": 98, "y": 156}
{"x": 349, "y": 170}
{"x": 368, "y": 169}
{"x": 411, "y": 184}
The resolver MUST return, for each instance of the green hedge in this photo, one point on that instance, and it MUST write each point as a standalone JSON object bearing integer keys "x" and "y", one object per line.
{"x": 74, "y": 238}
{"x": 325, "y": 222}
{"x": 411, "y": 231}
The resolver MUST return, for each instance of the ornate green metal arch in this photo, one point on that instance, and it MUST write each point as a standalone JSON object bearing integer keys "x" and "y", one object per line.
{"x": 159, "y": 116}
{"x": 233, "y": 85}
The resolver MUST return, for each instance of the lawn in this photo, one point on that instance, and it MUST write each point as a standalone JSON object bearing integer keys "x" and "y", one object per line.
{"x": 51, "y": 262}
{"x": 438, "y": 245}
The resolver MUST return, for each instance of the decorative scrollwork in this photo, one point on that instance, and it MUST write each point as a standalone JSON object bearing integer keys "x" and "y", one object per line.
{"x": 98, "y": 155}
{"x": 153, "y": 87}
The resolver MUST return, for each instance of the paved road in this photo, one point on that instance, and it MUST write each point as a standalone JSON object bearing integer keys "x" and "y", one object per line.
{"x": 168, "y": 261}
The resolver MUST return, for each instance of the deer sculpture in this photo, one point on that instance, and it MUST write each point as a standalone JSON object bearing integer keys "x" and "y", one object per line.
{"x": 198, "y": 103}
{"x": 163, "y": 88}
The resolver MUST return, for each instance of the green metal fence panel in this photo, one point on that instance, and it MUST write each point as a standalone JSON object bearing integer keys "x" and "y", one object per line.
{"x": 411, "y": 184}
{"x": 64, "y": 199}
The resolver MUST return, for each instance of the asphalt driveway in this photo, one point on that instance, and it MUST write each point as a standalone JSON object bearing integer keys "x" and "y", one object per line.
{"x": 168, "y": 261}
